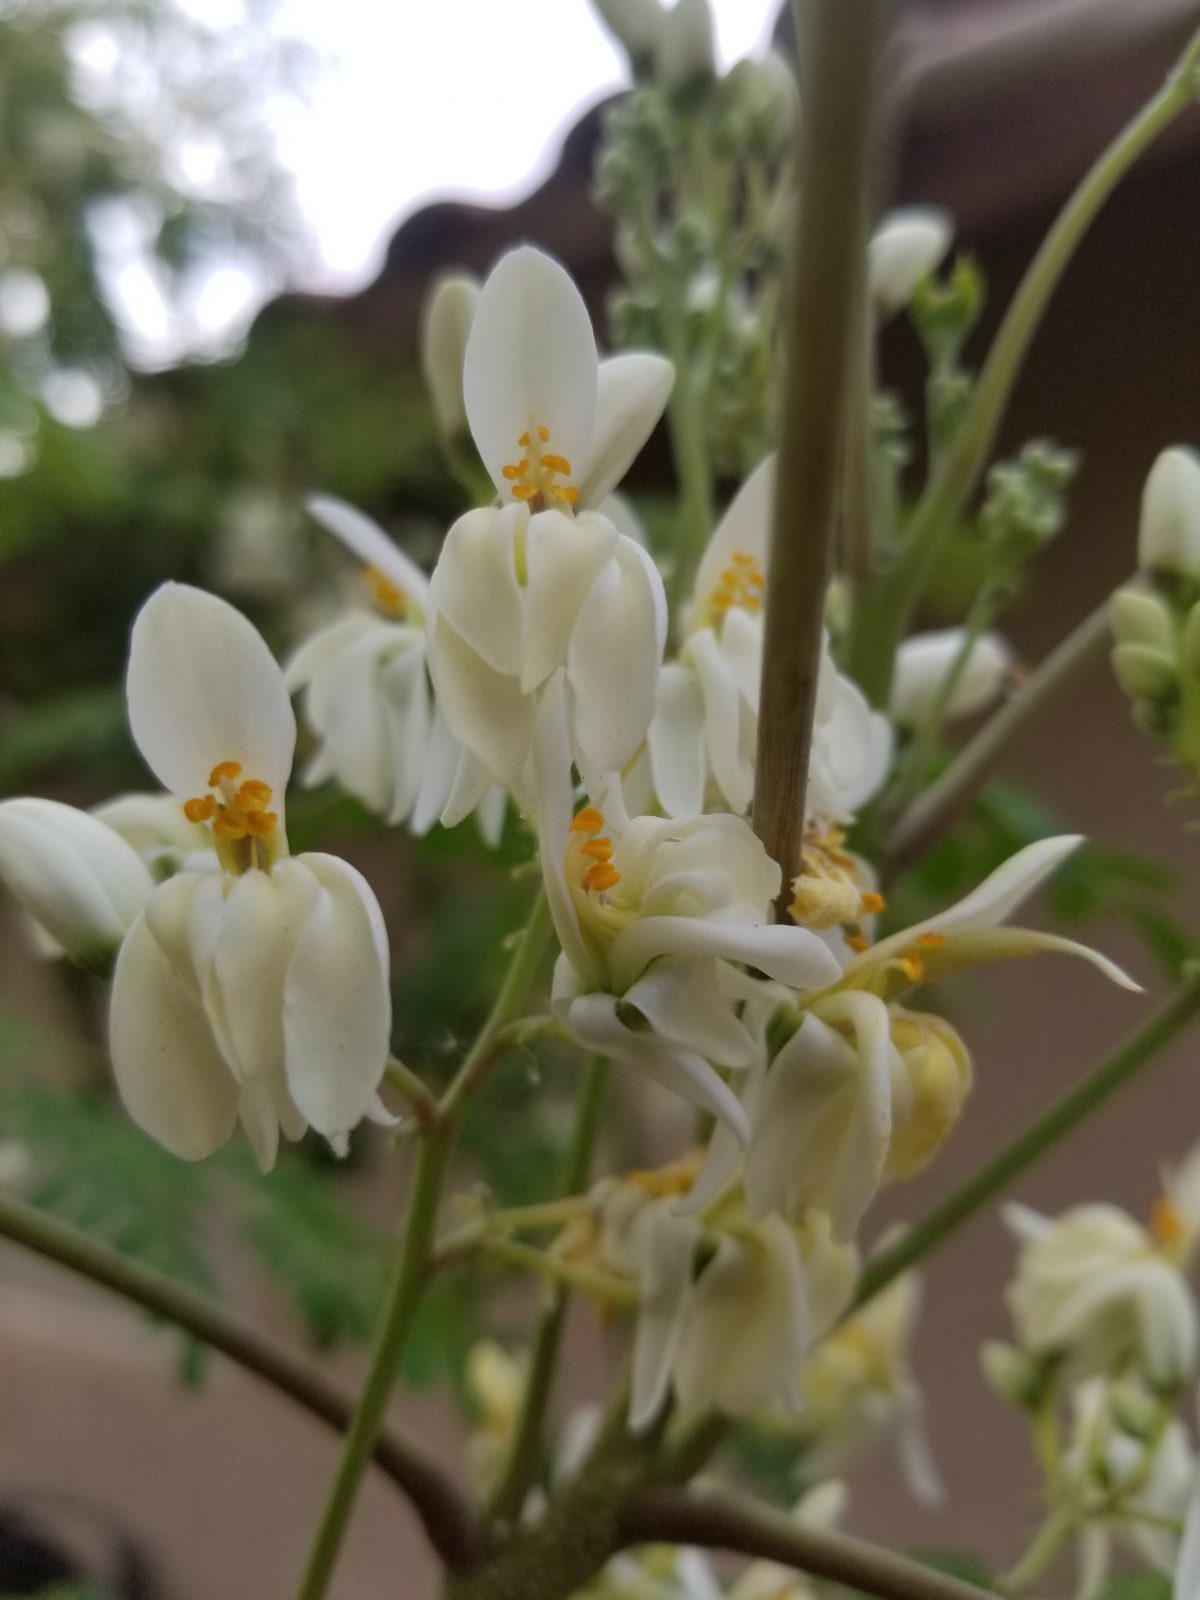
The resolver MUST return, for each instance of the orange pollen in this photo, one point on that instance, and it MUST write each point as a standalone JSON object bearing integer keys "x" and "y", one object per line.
{"x": 389, "y": 596}
{"x": 589, "y": 820}
{"x": 223, "y": 769}
{"x": 931, "y": 941}
{"x": 234, "y": 813}
{"x": 602, "y": 876}
{"x": 201, "y": 809}
{"x": 912, "y": 967}
{"x": 857, "y": 943}
{"x": 254, "y": 795}
{"x": 871, "y": 903}
{"x": 1166, "y": 1224}
{"x": 740, "y": 584}
{"x": 532, "y": 477}
{"x": 599, "y": 849}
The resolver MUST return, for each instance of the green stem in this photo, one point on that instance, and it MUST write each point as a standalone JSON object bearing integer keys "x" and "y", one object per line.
{"x": 438, "y": 1502}
{"x": 600, "y": 1285}
{"x": 835, "y": 153}
{"x": 508, "y": 1496}
{"x": 958, "y": 784}
{"x": 411, "y": 1273}
{"x": 1062, "y": 1118}
{"x": 420, "y": 1097}
{"x": 1050, "y": 1538}
{"x": 936, "y": 513}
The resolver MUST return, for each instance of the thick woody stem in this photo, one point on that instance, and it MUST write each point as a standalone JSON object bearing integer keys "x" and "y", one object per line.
{"x": 827, "y": 288}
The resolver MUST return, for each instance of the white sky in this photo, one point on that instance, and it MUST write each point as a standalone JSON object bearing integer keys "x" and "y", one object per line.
{"x": 424, "y": 98}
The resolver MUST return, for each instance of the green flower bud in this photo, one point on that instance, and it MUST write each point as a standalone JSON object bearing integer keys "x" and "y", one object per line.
{"x": 1139, "y": 617}
{"x": 1145, "y": 673}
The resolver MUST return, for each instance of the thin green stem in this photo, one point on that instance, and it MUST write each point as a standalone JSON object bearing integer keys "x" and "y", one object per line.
{"x": 600, "y": 1285}
{"x": 436, "y": 1499}
{"x": 411, "y": 1272}
{"x": 936, "y": 513}
{"x": 960, "y": 782}
{"x": 1063, "y": 1117}
{"x": 835, "y": 155}
{"x": 520, "y": 1469}
{"x": 1047, "y": 1543}
{"x": 420, "y": 1097}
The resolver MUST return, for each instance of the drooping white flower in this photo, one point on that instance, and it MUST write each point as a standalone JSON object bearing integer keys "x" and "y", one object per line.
{"x": 257, "y": 989}
{"x": 705, "y": 728}
{"x": 906, "y": 246}
{"x": 78, "y": 880}
{"x": 543, "y": 581}
{"x": 652, "y": 919}
{"x": 367, "y": 697}
{"x": 923, "y": 662}
{"x": 1094, "y": 1290}
{"x": 1169, "y": 530}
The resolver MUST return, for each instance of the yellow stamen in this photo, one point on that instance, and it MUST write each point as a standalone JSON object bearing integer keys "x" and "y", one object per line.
{"x": 740, "y": 584}
{"x": 199, "y": 810}
{"x": 236, "y": 814}
{"x": 931, "y": 941}
{"x": 589, "y": 820}
{"x": 872, "y": 903}
{"x": 857, "y": 943}
{"x": 532, "y": 477}
{"x": 599, "y": 849}
{"x": 254, "y": 795}
{"x": 525, "y": 491}
{"x": 602, "y": 876}
{"x": 226, "y": 826}
{"x": 388, "y": 594}
{"x": 223, "y": 769}
{"x": 260, "y": 823}
{"x": 913, "y": 967}
{"x": 552, "y": 463}
{"x": 1166, "y": 1224}
{"x": 565, "y": 492}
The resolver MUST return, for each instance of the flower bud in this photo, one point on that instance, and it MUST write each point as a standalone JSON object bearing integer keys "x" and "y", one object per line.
{"x": 1139, "y": 617}
{"x": 1013, "y": 1375}
{"x": 1169, "y": 530}
{"x": 686, "y": 51}
{"x": 446, "y": 322}
{"x": 73, "y": 875}
{"x": 1144, "y": 672}
{"x": 937, "y": 1067}
{"x": 923, "y": 662}
{"x": 637, "y": 25}
{"x": 906, "y": 247}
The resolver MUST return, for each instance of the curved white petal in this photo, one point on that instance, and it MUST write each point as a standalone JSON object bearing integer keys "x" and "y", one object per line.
{"x": 745, "y": 529}
{"x": 909, "y": 243}
{"x": 203, "y": 688}
{"x": 614, "y": 656}
{"x": 367, "y": 542}
{"x": 675, "y": 740}
{"x": 446, "y": 320}
{"x": 687, "y": 1009}
{"x": 563, "y": 558}
{"x": 531, "y": 362}
{"x": 923, "y": 661}
{"x": 73, "y": 874}
{"x": 552, "y": 788}
{"x": 667, "y": 1245}
{"x": 437, "y": 774}
{"x": 796, "y": 956}
{"x": 168, "y": 1070}
{"x": 999, "y": 895}
{"x": 484, "y": 709}
{"x": 474, "y": 585}
{"x": 337, "y": 1009}
{"x": 732, "y": 768}
{"x": 404, "y": 683}
{"x": 472, "y": 784}
{"x": 632, "y": 392}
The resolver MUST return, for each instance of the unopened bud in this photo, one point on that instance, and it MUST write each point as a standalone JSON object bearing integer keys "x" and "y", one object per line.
{"x": 1139, "y": 617}
{"x": 1012, "y": 1374}
{"x": 906, "y": 247}
{"x": 446, "y": 323}
{"x": 1145, "y": 673}
{"x": 1139, "y": 1414}
{"x": 637, "y": 25}
{"x": 1169, "y": 530}
{"x": 686, "y": 51}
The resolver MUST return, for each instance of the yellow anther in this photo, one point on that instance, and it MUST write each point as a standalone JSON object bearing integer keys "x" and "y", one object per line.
{"x": 913, "y": 967}
{"x": 602, "y": 876}
{"x": 525, "y": 491}
{"x": 254, "y": 795}
{"x": 589, "y": 820}
{"x": 260, "y": 823}
{"x": 227, "y": 826}
{"x": 931, "y": 941}
{"x": 532, "y": 477}
{"x": 872, "y": 903}
{"x": 858, "y": 943}
{"x": 200, "y": 809}
{"x": 599, "y": 849}
{"x": 1166, "y": 1224}
{"x": 515, "y": 471}
{"x": 388, "y": 594}
{"x": 223, "y": 769}
{"x": 556, "y": 464}
{"x": 565, "y": 492}
{"x": 740, "y": 584}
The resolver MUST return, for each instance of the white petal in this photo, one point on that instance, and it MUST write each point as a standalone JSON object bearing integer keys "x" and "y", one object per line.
{"x": 745, "y": 529}
{"x": 204, "y": 688}
{"x": 614, "y": 657}
{"x": 923, "y": 662}
{"x": 261, "y": 918}
{"x": 632, "y": 391}
{"x": 999, "y": 895}
{"x": 437, "y": 775}
{"x": 406, "y": 704}
{"x": 366, "y": 541}
{"x": 686, "y": 1008}
{"x": 563, "y": 558}
{"x": 686, "y": 45}
{"x": 552, "y": 786}
{"x": 337, "y": 1010}
{"x": 360, "y": 715}
{"x": 73, "y": 874}
{"x": 667, "y": 1246}
{"x": 908, "y": 244}
{"x": 168, "y": 1070}
{"x": 1169, "y": 529}
{"x": 472, "y": 784}
{"x": 676, "y": 742}
{"x": 446, "y": 320}
{"x": 795, "y": 956}
{"x": 474, "y": 585}
{"x": 732, "y": 768}
{"x": 484, "y": 709}
{"x": 531, "y": 361}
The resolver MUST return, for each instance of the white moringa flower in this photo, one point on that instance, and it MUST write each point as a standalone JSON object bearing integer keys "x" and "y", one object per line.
{"x": 906, "y": 246}
{"x": 652, "y": 919}
{"x": 446, "y": 319}
{"x": 79, "y": 881}
{"x": 368, "y": 700}
{"x": 1169, "y": 530}
{"x": 705, "y": 726}
{"x": 257, "y": 989}
{"x": 924, "y": 660}
{"x": 542, "y": 581}
{"x": 1095, "y": 1290}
